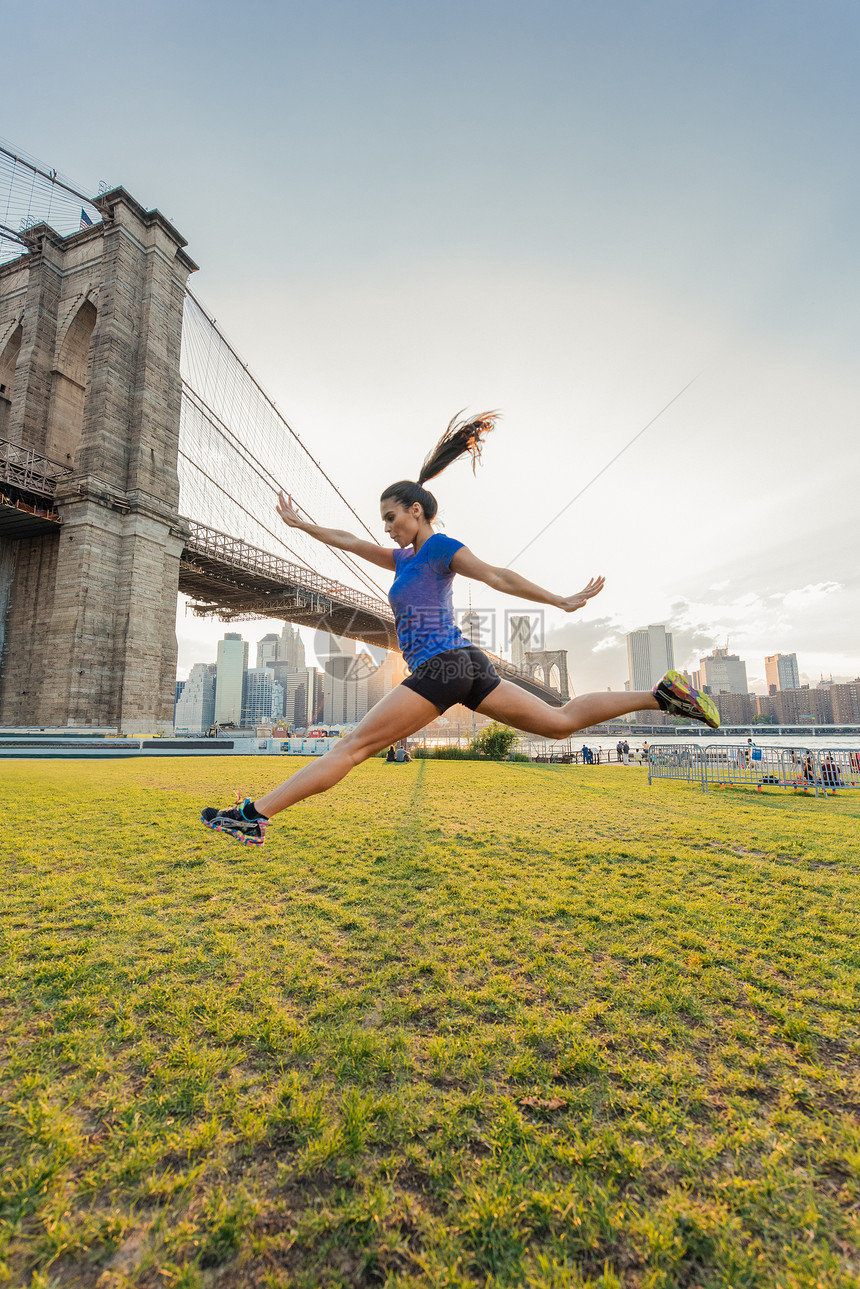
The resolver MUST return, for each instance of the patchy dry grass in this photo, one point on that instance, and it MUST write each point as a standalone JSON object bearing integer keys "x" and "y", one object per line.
{"x": 307, "y": 1065}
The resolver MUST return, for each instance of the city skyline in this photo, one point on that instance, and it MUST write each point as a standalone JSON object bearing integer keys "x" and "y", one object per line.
{"x": 604, "y": 648}
{"x": 281, "y": 687}
{"x": 311, "y": 641}
{"x": 347, "y": 688}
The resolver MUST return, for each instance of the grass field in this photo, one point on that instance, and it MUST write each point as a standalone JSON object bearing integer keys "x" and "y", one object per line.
{"x": 457, "y": 1024}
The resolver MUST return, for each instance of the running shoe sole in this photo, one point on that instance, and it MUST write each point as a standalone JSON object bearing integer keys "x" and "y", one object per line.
{"x": 683, "y": 700}
{"x": 247, "y": 838}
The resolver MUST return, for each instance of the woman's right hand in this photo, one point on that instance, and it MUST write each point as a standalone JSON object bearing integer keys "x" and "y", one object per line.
{"x": 287, "y": 511}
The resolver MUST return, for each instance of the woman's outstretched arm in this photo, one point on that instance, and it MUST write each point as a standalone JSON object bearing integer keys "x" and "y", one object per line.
{"x": 511, "y": 583}
{"x": 335, "y": 537}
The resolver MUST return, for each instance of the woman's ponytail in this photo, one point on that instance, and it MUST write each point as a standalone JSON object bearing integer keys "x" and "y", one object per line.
{"x": 459, "y": 438}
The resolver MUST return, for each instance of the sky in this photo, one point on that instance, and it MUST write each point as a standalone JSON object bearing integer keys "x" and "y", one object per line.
{"x": 566, "y": 211}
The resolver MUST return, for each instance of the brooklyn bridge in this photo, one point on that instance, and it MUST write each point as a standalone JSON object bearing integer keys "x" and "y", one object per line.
{"x": 139, "y": 458}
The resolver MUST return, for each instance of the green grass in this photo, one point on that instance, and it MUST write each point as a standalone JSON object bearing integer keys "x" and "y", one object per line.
{"x": 306, "y": 1065}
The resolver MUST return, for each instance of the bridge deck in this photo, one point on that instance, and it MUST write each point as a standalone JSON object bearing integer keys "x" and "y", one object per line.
{"x": 20, "y": 519}
{"x": 28, "y": 483}
{"x": 230, "y": 578}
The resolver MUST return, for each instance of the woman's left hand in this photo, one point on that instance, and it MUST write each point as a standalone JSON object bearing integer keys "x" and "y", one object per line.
{"x": 572, "y": 602}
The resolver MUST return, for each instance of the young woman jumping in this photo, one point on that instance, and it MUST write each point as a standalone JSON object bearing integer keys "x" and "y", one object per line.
{"x": 446, "y": 668}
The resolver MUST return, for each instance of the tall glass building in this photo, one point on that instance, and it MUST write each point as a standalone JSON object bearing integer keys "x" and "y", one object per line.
{"x": 232, "y": 663}
{"x": 650, "y": 655}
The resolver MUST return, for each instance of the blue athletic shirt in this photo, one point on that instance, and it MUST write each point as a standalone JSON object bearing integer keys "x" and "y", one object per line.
{"x": 422, "y": 601}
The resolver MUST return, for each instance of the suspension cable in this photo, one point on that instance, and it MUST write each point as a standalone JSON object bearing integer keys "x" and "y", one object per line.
{"x": 278, "y": 413}
{"x": 269, "y": 481}
{"x": 51, "y": 176}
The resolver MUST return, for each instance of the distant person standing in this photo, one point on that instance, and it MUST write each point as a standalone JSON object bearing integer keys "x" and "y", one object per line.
{"x": 619, "y": 748}
{"x": 625, "y": 752}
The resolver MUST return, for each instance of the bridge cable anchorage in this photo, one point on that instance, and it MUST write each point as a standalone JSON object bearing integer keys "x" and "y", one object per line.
{"x": 594, "y": 479}
{"x": 267, "y": 479}
{"x": 228, "y": 420}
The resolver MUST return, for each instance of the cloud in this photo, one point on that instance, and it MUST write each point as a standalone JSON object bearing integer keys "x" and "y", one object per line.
{"x": 597, "y": 652}
{"x": 808, "y": 595}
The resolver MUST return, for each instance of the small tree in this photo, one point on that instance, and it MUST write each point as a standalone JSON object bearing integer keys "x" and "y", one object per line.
{"x": 495, "y": 741}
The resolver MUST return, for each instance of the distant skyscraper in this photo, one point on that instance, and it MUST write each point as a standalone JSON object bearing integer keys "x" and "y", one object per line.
{"x": 345, "y": 691}
{"x": 781, "y": 672}
{"x": 279, "y": 699}
{"x": 521, "y": 635}
{"x": 344, "y": 683}
{"x": 299, "y": 691}
{"x": 471, "y": 627}
{"x": 845, "y": 702}
{"x": 723, "y": 673}
{"x": 315, "y": 695}
{"x": 650, "y": 655}
{"x": 257, "y": 704}
{"x": 232, "y": 665}
{"x": 267, "y": 649}
{"x": 390, "y": 672}
{"x": 735, "y": 709}
{"x": 291, "y": 649}
{"x": 195, "y": 709}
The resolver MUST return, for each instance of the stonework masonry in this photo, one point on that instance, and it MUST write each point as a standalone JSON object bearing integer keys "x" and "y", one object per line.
{"x": 96, "y": 320}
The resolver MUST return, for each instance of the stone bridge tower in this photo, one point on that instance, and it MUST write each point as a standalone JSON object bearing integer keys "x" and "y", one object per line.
{"x": 90, "y": 332}
{"x": 550, "y": 666}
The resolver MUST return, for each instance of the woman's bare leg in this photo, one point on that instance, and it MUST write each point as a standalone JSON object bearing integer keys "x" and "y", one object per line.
{"x": 394, "y": 717}
{"x": 526, "y": 712}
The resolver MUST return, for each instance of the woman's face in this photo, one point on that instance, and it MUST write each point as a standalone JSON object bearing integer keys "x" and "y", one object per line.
{"x": 401, "y": 523}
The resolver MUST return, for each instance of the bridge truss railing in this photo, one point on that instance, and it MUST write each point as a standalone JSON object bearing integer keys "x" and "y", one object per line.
{"x": 29, "y": 471}
{"x": 225, "y": 549}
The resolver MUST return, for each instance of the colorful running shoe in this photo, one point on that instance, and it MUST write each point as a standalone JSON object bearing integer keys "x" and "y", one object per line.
{"x": 675, "y": 694}
{"x": 251, "y": 832}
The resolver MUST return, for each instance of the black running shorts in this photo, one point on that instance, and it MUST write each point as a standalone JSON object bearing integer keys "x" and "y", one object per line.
{"x": 457, "y": 676}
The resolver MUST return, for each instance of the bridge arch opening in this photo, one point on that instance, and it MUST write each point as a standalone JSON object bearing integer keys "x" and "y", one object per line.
{"x": 554, "y": 680}
{"x": 8, "y": 363}
{"x": 69, "y": 390}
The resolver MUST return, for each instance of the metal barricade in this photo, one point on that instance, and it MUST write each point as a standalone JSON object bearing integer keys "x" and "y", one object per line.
{"x": 743, "y": 764}
{"x": 819, "y": 771}
{"x": 838, "y": 768}
{"x": 675, "y": 761}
